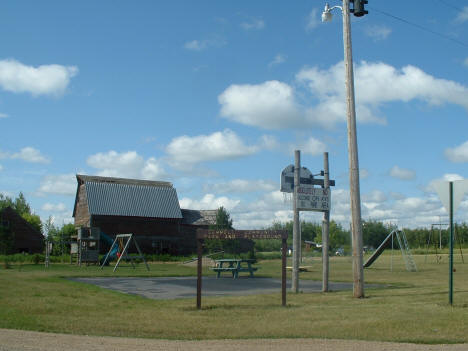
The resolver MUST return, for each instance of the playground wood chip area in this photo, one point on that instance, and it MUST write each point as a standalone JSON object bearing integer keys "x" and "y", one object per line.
{"x": 21, "y": 340}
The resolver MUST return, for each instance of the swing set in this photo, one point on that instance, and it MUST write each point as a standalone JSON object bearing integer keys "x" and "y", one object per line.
{"x": 120, "y": 246}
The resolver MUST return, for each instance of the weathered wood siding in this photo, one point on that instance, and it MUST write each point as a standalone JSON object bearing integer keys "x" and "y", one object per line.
{"x": 82, "y": 217}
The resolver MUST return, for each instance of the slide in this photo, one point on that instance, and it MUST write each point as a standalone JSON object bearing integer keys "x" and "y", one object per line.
{"x": 379, "y": 250}
{"x": 113, "y": 253}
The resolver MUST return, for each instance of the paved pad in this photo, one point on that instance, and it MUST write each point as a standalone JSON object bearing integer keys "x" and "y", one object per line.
{"x": 186, "y": 287}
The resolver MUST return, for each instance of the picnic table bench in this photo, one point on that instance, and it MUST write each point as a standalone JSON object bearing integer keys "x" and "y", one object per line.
{"x": 234, "y": 265}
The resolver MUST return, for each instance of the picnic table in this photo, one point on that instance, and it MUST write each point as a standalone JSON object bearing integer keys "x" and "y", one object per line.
{"x": 234, "y": 265}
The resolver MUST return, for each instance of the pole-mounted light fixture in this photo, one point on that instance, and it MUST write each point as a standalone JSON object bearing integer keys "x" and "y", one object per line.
{"x": 327, "y": 16}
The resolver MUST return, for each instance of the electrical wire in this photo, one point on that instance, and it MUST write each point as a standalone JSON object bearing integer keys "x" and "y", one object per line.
{"x": 451, "y": 5}
{"x": 459, "y": 42}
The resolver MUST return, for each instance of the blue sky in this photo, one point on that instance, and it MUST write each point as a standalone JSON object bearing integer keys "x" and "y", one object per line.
{"x": 214, "y": 96}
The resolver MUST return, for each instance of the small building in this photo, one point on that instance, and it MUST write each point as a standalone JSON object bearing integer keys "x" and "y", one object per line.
{"x": 18, "y": 235}
{"x": 148, "y": 209}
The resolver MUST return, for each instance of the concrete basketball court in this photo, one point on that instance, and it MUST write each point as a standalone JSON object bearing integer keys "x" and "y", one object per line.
{"x": 186, "y": 287}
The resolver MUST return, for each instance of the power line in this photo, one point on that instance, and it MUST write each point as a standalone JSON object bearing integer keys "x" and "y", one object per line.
{"x": 451, "y": 5}
{"x": 420, "y": 27}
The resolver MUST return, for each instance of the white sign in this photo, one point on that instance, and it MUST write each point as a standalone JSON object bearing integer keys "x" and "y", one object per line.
{"x": 313, "y": 199}
{"x": 460, "y": 187}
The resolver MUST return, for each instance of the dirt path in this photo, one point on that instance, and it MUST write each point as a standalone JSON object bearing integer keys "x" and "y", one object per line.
{"x": 19, "y": 340}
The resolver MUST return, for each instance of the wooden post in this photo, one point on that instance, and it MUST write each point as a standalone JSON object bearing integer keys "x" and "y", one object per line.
{"x": 296, "y": 242}
{"x": 199, "y": 271}
{"x": 325, "y": 227}
{"x": 451, "y": 244}
{"x": 355, "y": 197}
{"x": 283, "y": 270}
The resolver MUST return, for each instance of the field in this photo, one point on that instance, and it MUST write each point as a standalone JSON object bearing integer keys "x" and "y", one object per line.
{"x": 407, "y": 307}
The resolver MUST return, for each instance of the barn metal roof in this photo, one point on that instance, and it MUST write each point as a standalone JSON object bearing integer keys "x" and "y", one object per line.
{"x": 114, "y": 199}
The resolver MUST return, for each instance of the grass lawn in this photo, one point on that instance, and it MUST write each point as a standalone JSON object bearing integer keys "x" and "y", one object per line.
{"x": 409, "y": 307}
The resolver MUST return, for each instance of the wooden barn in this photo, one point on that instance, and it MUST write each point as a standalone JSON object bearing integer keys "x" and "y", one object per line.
{"x": 17, "y": 235}
{"x": 148, "y": 209}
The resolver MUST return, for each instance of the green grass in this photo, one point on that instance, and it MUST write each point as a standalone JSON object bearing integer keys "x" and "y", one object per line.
{"x": 409, "y": 307}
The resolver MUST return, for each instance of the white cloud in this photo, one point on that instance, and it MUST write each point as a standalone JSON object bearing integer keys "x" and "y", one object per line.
{"x": 254, "y": 23}
{"x": 42, "y": 80}
{"x": 1, "y": 168}
{"x": 200, "y": 45}
{"x": 313, "y": 147}
{"x": 186, "y": 151}
{"x": 126, "y": 165}
{"x": 378, "y": 32}
{"x": 270, "y": 105}
{"x": 466, "y": 62}
{"x": 195, "y": 45}
{"x": 375, "y": 196}
{"x": 241, "y": 186}
{"x": 458, "y": 154}
{"x": 279, "y": 59}
{"x": 401, "y": 173}
{"x": 313, "y": 20}
{"x": 376, "y": 84}
{"x": 60, "y": 207}
{"x": 209, "y": 202}
{"x": 30, "y": 154}
{"x": 275, "y": 105}
{"x": 462, "y": 16}
{"x": 62, "y": 184}
{"x": 3, "y": 115}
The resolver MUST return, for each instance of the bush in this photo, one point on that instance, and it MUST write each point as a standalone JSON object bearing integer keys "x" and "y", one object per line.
{"x": 37, "y": 258}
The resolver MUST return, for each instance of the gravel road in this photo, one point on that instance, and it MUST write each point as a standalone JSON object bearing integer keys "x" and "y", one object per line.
{"x": 20, "y": 340}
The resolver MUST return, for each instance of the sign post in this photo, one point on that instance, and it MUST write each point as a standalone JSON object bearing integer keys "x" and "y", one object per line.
{"x": 300, "y": 181}
{"x": 451, "y": 197}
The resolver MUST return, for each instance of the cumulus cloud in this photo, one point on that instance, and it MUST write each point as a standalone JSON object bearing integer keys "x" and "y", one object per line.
{"x": 401, "y": 173}
{"x": 458, "y": 154}
{"x": 42, "y": 80}
{"x": 209, "y": 202}
{"x": 270, "y": 105}
{"x": 30, "y": 154}
{"x": 313, "y": 147}
{"x": 185, "y": 151}
{"x": 376, "y": 84}
{"x": 3, "y": 115}
{"x": 378, "y": 32}
{"x": 126, "y": 165}
{"x": 241, "y": 186}
{"x": 253, "y": 24}
{"x": 375, "y": 196}
{"x": 276, "y": 105}
{"x": 313, "y": 20}
{"x": 62, "y": 184}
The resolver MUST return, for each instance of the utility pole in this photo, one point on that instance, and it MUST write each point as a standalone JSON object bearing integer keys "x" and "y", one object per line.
{"x": 355, "y": 197}
{"x": 296, "y": 224}
{"x": 325, "y": 227}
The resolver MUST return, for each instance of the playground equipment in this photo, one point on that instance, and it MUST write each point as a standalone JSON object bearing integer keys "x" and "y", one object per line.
{"x": 404, "y": 248}
{"x": 120, "y": 247}
{"x": 86, "y": 247}
{"x": 432, "y": 237}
